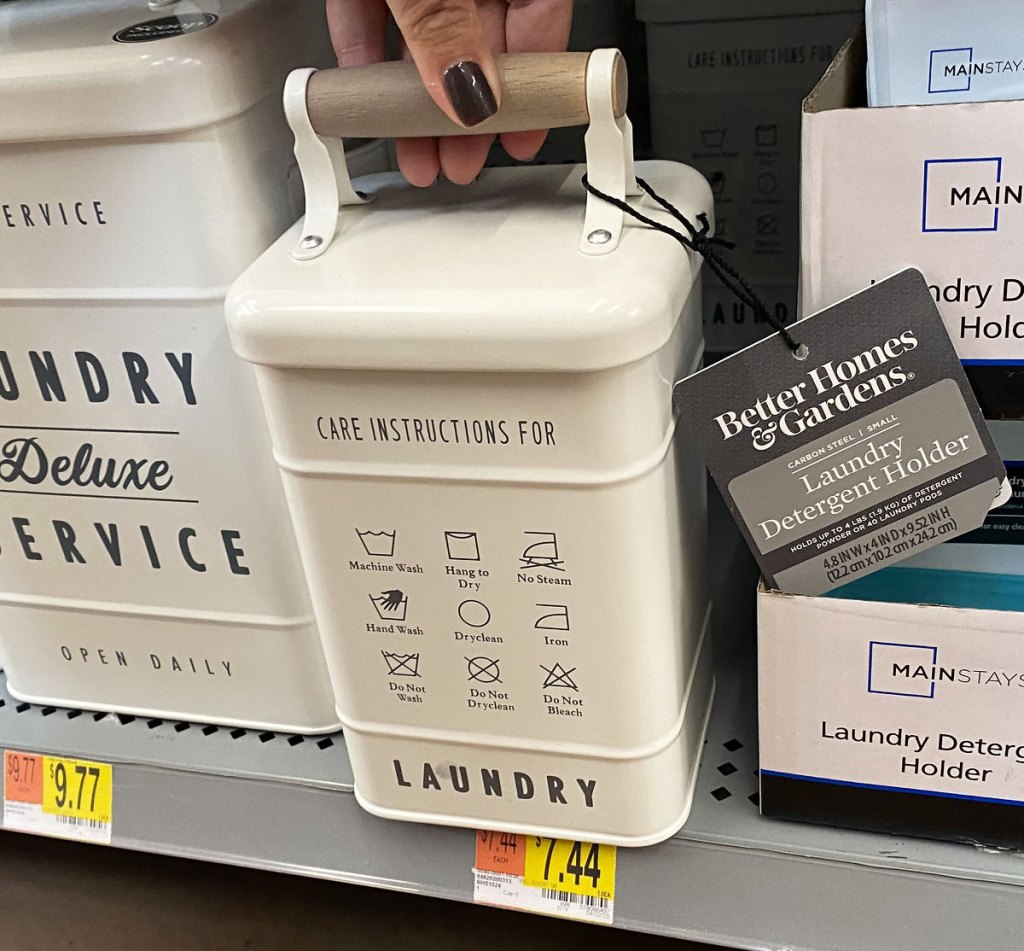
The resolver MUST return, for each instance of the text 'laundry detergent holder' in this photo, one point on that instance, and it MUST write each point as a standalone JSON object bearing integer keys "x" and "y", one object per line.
{"x": 469, "y": 398}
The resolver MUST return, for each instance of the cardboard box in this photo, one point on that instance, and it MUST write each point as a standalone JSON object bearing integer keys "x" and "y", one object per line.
{"x": 940, "y": 188}
{"x": 900, "y": 718}
{"x": 725, "y": 90}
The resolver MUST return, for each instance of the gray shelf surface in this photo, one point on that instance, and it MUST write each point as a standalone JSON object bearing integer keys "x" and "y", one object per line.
{"x": 731, "y": 878}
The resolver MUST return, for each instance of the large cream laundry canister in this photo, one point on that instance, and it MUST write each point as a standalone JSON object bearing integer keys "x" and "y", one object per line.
{"x": 147, "y": 561}
{"x": 469, "y": 395}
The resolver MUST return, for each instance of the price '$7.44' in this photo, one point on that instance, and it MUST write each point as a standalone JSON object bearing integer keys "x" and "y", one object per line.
{"x": 581, "y": 868}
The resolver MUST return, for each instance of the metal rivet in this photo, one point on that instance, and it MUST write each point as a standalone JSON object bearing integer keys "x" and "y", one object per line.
{"x": 310, "y": 242}
{"x": 801, "y": 353}
{"x": 599, "y": 237}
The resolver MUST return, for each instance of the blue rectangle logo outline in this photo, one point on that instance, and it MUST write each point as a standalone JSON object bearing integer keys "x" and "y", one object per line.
{"x": 958, "y": 161}
{"x": 896, "y": 693}
{"x": 931, "y": 68}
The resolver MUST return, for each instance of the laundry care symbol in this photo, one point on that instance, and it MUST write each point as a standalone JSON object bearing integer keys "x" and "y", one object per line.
{"x": 402, "y": 665}
{"x": 378, "y": 544}
{"x": 484, "y": 670}
{"x": 542, "y": 552}
{"x": 462, "y": 546}
{"x": 558, "y": 676}
{"x": 390, "y": 605}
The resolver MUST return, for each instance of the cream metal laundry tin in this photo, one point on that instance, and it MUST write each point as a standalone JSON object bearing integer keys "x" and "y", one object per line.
{"x": 503, "y": 530}
{"x": 147, "y": 561}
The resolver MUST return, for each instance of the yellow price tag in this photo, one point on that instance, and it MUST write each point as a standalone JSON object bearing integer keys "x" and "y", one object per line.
{"x": 78, "y": 789}
{"x": 576, "y": 868}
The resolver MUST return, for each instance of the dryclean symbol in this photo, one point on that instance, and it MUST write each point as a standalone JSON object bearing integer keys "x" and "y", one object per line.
{"x": 474, "y": 613}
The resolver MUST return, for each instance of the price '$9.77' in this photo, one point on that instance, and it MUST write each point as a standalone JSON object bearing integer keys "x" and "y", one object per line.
{"x": 59, "y": 796}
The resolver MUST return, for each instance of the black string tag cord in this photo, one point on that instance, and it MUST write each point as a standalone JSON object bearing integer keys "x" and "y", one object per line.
{"x": 707, "y": 246}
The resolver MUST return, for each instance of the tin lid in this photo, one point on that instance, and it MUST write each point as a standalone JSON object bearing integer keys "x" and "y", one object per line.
{"x": 75, "y": 70}
{"x": 488, "y": 277}
{"x": 672, "y": 11}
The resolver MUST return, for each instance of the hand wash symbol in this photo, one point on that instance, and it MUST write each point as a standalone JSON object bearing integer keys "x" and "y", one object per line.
{"x": 390, "y": 605}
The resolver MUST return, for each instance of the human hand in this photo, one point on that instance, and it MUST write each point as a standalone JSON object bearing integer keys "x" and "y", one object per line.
{"x": 391, "y": 599}
{"x": 453, "y": 43}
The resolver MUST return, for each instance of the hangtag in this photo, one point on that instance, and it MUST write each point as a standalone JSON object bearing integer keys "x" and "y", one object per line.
{"x": 868, "y": 450}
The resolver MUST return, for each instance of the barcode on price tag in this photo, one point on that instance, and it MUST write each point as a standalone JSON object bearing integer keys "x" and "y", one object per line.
{"x": 558, "y": 877}
{"x": 57, "y": 796}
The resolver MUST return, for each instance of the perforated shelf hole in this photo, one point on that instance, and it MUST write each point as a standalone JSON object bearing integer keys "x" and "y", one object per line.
{"x": 727, "y": 769}
{"x": 721, "y": 793}
{"x": 326, "y": 743}
{"x": 209, "y": 730}
{"x": 237, "y": 734}
{"x": 294, "y": 740}
{"x": 733, "y": 745}
{"x": 267, "y": 737}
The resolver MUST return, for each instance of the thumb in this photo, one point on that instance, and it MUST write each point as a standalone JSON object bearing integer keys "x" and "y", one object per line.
{"x": 447, "y": 43}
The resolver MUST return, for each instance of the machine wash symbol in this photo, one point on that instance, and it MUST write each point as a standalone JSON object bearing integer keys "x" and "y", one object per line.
{"x": 558, "y": 676}
{"x": 402, "y": 665}
{"x": 378, "y": 544}
{"x": 484, "y": 670}
{"x": 542, "y": 553}
{"x": 390, "y": 605}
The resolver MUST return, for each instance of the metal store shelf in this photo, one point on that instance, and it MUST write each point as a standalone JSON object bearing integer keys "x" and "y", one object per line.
{"x": 730, "y": 877}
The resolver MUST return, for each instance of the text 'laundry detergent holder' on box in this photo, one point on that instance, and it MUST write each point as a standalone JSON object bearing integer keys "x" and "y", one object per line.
{"x": 469, "y": 395}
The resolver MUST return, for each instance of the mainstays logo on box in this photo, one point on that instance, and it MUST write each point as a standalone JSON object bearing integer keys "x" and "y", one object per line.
{"x": 966, "y": 194}
{"x": 914, "y": 670}
{"x": 954, "y": 70}
{"x": 850, "y": 383}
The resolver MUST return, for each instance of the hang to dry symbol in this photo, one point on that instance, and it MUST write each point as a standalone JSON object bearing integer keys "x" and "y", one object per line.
{"x": 558, "y": 676}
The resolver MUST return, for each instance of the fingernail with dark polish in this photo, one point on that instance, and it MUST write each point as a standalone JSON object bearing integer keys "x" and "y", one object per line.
{"x": 469, "y": 93}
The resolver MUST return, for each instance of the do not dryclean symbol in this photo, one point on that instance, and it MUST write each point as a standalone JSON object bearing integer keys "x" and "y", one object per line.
{"x": 484, "y": 670}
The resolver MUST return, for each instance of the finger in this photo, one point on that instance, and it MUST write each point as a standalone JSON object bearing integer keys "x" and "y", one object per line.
{"x": 534, "y": 26}
{"x": 447, "y": 43}
{"x": 357, "y": 29}
{"x": 463, "y": 156}
{"x": 418, "y": 160}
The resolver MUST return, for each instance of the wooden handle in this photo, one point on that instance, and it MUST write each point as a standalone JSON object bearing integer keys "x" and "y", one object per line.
{"x": 538, "y": 91}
